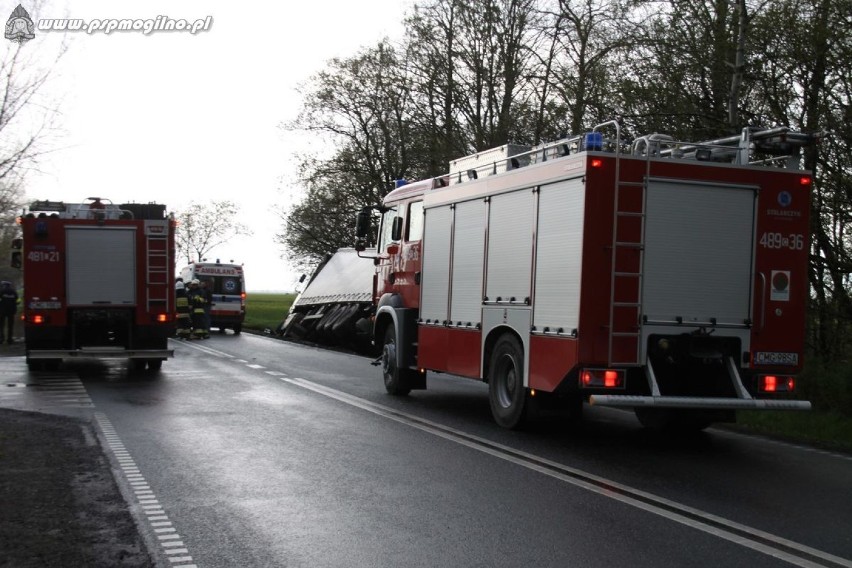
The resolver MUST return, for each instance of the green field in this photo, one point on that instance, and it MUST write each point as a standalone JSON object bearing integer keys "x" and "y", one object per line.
{"x": 266, "y": 311}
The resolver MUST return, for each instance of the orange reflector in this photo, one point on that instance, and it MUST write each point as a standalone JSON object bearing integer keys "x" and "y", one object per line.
{"x": 596, "y": 162}
{"x": 162, "y": 318}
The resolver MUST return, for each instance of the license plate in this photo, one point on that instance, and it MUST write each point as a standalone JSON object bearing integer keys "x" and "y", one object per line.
{"x": 776, "y": 358}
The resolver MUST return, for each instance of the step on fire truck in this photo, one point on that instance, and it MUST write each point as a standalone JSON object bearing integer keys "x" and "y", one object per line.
{"x": 664, "y": 276}
{"x": 98, "y": 282}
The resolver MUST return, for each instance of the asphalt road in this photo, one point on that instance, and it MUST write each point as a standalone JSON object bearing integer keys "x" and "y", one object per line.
{"x": 248, "y": 451}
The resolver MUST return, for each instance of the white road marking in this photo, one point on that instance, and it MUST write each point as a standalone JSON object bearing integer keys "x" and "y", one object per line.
{"x": 146, "y": 500}
{"x": 755, "y": 539}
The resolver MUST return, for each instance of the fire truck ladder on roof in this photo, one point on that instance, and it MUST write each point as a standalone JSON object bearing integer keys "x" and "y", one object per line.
{"x": 628, "y": 234}
{"x": 157, "y": 272}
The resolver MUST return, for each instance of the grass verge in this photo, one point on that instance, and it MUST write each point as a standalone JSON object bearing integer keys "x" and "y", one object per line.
{"x": 266, "y": 310}
{"x": 827, "y": 430}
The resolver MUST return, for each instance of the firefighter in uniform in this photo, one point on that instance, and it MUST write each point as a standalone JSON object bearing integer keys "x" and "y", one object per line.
{"x": 183, "y": 323}
{"x": 197, "y": 305}
{"x": 8, "y": 307}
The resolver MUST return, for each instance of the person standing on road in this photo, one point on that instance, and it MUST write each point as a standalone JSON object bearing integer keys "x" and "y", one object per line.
{"x": 196, "y": 309}
{"x": 183, "y": 323}
{"x": 8, "y": 307}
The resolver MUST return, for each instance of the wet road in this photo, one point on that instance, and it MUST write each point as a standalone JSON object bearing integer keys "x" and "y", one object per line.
{"x": 248, "y": 451}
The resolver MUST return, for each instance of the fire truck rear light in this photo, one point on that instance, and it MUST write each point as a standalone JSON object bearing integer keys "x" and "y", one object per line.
{"x": 805, "y": 180}
{"x": 775, "y": 383}
{"x": 162, "y": 318}
{"x": 596, "y": 163}
{"x": 607, "y": 378}
{"x": 37, "y": 319}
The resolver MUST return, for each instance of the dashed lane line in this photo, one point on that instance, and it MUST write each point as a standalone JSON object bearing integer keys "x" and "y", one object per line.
{"x": 170, "y": 542}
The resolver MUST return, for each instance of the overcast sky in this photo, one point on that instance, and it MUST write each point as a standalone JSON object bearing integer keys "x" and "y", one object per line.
{"x": 173, "y": 117}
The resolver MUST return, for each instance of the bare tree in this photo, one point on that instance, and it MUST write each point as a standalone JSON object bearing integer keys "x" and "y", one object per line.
{"x": 204, "y": 226}
{"x": 28, "y": 116}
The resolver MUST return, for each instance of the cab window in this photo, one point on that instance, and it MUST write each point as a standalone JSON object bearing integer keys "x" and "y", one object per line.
{"x": 387, "y": 228}
{"x": 415, "y": 222}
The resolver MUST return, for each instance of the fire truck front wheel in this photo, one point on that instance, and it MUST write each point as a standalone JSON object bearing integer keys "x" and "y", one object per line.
{"x": 397, "y": 381}
{"x": 506, "y": 391}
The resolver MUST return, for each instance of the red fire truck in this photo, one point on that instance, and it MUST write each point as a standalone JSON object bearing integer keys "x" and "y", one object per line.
{"x": 665, "y": 276}
{"x": 98, "y": 282}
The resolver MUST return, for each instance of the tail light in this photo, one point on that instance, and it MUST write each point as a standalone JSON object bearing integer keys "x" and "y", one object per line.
{"x": 35, "y": 319}
{"x": 606, "y": 378}
{"x": 162, "y": 318}
{"x": 776, "y": 383}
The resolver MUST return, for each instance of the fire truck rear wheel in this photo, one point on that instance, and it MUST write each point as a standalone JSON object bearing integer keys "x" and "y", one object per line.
{"x": 396, "y": 379}
{"x": 506, "y": 391}
{"x": 155, "y": 364}
{"x": 237, "y": 329}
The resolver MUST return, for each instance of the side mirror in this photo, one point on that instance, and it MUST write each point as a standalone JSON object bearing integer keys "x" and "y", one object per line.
{"x": 396, "y": 229}
{"x": 16, "y": 260}
{"x": 362, "y": 223}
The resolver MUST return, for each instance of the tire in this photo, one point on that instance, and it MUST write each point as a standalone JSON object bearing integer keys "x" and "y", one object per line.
{"x": 237, "y": 329}
{"x": 155, "y": 364}
{"x": 35, "y": 364}
{"x": 397, "y": 381}
{"x": 138, "y": 365}
{"x": 506, "y": 391}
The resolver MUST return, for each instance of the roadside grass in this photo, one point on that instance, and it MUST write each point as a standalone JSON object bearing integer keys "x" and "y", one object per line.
{"x": 265, "y": 310}
{"x": 827, "y": 386}
{"x": 827, "y": 430}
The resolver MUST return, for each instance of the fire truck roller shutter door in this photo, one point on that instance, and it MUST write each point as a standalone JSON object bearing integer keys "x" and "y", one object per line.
{"x": 468, "y": 247}
{"x": 436, "y": 265}
{"x": 510, "y": 233}
{"x": 559, "y": 255}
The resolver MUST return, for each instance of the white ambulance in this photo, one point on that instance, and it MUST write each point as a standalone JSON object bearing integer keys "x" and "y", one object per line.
{"x": 226, "y": 283}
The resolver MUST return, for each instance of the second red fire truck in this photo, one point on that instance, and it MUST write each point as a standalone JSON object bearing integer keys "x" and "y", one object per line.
{"x": 665, "y": 276}
{"x": 98, "y": 282}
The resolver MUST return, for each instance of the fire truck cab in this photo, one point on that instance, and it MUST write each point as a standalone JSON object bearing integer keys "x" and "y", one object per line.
{"x": 665, "y": 276}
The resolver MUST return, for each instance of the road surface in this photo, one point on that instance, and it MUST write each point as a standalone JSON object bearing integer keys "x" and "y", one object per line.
{"x": 249, "y": 451}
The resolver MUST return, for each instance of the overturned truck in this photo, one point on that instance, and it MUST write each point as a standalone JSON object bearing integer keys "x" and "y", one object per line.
{"x": 337, "y": 297}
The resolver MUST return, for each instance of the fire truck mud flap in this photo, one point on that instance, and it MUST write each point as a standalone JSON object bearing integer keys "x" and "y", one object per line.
{"x": 628, "y": 401}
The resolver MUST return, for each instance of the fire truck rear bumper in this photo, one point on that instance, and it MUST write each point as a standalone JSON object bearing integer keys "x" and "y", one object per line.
{"x": 101, "y": 353}
{"x": 631, "y": 401}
